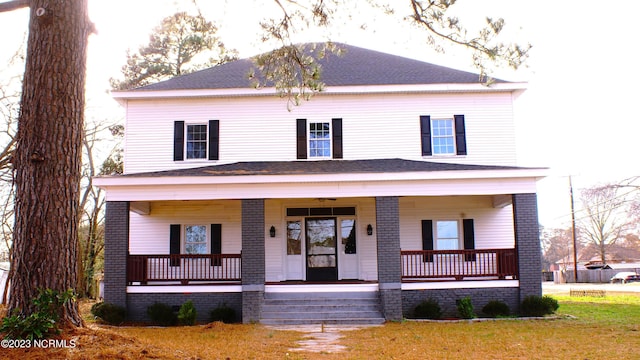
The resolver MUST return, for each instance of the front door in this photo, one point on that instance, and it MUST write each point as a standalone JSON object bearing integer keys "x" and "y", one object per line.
{"x": 322, "y": 259}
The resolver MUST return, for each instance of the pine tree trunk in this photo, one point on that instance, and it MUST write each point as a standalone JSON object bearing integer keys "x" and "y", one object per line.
{"x": 48, "y": 154}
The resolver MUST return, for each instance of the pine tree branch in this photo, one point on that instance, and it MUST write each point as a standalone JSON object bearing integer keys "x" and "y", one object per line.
{"x": 13, "y": 5}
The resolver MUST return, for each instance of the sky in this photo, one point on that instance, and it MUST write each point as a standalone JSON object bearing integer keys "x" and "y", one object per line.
{"x": 577, "y": 117}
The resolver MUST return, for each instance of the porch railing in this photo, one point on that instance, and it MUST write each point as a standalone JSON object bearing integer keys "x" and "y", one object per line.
{"x": 459, "y": 264}
{"x": 183, "y": 268}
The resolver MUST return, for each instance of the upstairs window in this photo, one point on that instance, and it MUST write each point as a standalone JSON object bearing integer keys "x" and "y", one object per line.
{"x": 443, "y": 136}
{"x": 319, "y": 140}
{"x": 442, "y": 139}
{"x": 197, "y": 141}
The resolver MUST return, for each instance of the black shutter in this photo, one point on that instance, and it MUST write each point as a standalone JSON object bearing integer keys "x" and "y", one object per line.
{"x": 469, "y": 238}
{"x": 214, "y": 140}
{"x": 461, "y": 140}
{"x": 178, "y": 141}
{"x": 336, "y": 128}
{"x": 301, "y": 138}
{"x": 216, "y": 243}
{"x": 427, "y": 239}
{"x": 425, "y": 134}
{"x": 174, "y": 244}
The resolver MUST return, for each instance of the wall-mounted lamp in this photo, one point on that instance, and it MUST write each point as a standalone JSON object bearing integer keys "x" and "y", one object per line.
{"x": 369, "y": 230}
{"x": 272, "y": 231}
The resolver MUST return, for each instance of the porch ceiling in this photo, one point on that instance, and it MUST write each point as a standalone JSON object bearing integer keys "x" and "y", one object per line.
{"x": 334, "y": 178}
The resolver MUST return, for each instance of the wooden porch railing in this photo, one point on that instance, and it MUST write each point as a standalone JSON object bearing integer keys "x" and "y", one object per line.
{"x": 459, "y": 264}
{"x": 183, "y": 268}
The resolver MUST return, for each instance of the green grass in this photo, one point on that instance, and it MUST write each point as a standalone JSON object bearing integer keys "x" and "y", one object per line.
{"x": 585, "y": 328}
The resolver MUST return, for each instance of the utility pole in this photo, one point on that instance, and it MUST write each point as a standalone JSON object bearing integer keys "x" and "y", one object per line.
{"x": 573, "y": 234}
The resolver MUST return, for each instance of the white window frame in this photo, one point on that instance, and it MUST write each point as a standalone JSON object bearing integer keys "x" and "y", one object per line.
{"x": 207, "y": 241}
{"x": 186, "y": 141}
{"x": 436, "y": 237}
{"x": 309, "y": 140}
{"x": 435, "y": 148}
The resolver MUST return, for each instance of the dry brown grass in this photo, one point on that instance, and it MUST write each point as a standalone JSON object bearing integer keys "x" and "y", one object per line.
{"x": 602, "y": 330}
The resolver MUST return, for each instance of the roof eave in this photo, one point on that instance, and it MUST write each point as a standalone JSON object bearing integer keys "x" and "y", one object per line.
{"x": 124, "y": 95}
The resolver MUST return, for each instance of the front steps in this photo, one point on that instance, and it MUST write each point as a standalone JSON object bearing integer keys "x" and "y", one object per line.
{"x": 306, "y": 308}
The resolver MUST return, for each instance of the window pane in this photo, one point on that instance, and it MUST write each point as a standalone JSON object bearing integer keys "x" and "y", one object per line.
{"x": 197, "y": 141}
{"x": 195, "y": 239}
{"x": 447, "y": 229}
{"x": 196, "y": 249}
{"x": 319, "y": 140}
{"x": 447, "y": 244}
{"x": 348, "y": 230}
{"x": 442, "y": 137}
{"x": 447, "y": 235}
{"x": 294, "y": 237}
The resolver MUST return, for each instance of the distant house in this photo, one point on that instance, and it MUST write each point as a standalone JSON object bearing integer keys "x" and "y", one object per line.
{"x": 396, "y": 184}
{"x": 4, "y": 277}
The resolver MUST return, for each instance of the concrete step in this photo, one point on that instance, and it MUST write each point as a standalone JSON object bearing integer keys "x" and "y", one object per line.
{"x": 344, "y": 321}
{"x": 322, "y": 315}
{"x": 300, "y": 308}
{"x": 323, "y": 295}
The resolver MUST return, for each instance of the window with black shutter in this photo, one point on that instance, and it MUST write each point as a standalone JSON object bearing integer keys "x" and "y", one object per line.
{"x": 196, "y": 141}
{"x": 443, "y": 136}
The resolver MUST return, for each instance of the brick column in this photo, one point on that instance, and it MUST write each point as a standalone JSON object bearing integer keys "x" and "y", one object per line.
{"x": 253, "y": 273}
{"x": 389, "y": 261}
{"x": 116, "y": 248}
{"x": 525, "y": 219}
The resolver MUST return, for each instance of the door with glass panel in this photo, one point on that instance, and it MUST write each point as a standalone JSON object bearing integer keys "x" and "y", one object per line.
{"x": 321, "y": 249}
{"x": 294, "y": 259}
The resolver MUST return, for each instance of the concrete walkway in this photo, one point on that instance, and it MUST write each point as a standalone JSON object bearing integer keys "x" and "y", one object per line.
{"x": 320, "y": 338}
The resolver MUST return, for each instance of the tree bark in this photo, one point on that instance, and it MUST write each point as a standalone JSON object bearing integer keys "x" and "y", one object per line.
{"x": 47, "y": 159}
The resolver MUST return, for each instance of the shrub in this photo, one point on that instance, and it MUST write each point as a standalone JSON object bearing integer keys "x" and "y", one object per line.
{"x": 223, "y": 313}
{"x": 41, "y": 323}
{"x": 538, "y": 305}
{"x": 465, "y": 308}
{"x": 109, "y": 313}
{"x": 428, "y": 309}
{"x": 162, "y": 314}
{"x": 187, "y": 314}
{"x": 496, "y": 308}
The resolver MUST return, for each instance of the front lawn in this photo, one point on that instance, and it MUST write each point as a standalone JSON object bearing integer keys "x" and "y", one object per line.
{"x": 585, "y": 328}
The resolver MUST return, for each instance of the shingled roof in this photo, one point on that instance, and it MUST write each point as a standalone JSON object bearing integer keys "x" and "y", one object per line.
{"x": 320, "y": 167}
{"x": 355, "y": 66}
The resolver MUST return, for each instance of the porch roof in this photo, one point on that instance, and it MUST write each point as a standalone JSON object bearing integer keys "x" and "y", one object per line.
{"x": 322, "y": 167}
{"x": 330, "y": 178}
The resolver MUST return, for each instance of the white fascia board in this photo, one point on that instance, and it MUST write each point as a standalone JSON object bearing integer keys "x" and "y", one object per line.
{"x": 294, "y": 188}
{"x": 122, "y": 96}
{"x": 114, "y": 181}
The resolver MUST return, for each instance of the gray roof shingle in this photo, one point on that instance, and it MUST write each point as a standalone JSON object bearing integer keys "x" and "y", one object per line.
{"x": 355, "y": 66}
{"x": 320, "y": 167}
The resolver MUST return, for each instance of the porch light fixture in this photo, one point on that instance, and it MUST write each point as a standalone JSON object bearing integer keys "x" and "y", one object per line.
{"x": 369, "y": 230}
{"x": 272, "y": 231}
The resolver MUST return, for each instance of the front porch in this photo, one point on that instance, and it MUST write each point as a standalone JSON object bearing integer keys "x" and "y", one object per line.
{"x": 400, "y": 277}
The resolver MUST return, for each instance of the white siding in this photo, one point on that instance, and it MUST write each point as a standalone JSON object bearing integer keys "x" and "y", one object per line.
{"x": 149, "y": 234}
{"x": 493, "y": 227}
{"x": 374, "y": 126}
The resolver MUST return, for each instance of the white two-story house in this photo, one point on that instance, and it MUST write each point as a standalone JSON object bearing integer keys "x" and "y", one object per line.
{"x": 398, "y": 183}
